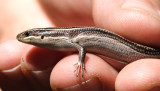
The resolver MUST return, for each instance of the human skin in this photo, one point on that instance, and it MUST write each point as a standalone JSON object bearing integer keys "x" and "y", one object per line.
{"x": 136, "y": 20}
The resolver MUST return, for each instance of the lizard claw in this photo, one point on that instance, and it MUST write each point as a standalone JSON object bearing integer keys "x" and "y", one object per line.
{"x": 79, "y": 66}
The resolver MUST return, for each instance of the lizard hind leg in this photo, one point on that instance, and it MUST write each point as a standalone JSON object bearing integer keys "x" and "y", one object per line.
{"x": 80, "y": 63}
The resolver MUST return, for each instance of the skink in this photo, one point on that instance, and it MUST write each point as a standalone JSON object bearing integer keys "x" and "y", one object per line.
{"x": 88, "y": 39}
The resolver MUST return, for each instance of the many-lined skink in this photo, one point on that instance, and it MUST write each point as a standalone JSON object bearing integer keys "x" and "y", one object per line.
{"x": 88, "y": 39}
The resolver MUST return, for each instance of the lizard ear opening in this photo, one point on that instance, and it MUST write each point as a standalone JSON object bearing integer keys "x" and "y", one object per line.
{"x": 42, "y": 37}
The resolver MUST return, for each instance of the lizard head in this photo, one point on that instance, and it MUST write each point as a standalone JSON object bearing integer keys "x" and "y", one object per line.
{"x": 45, "y": 37}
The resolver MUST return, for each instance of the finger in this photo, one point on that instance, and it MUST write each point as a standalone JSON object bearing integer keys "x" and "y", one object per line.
{"x": 37, "y": 64}
{"x": 20, "y": 15}
{"x": 10, "y": 72}
{"x": 142, "y": 75}
{"x": 69, "y": 12}
{"x": 139, "y": 19}
{"x": 98, "y": 75}
{"x": 11, "y": 52}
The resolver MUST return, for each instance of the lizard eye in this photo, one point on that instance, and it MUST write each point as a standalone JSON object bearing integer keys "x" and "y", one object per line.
{"x": 26, "y": 34}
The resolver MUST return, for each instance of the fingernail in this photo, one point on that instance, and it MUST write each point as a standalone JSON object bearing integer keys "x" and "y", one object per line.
{"x": 14, "y": 79}
{"x": 146, "y": 6}
{"x": 42, "y": 76}
{"x": 13, "y": 73}
{"x": 90, "y": 85}
{"x": 39, "y": 79}
{"x": 11, "y": 70}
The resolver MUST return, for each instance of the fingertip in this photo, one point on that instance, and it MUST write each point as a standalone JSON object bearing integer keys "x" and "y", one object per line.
{"x": 63, "y": 75}
{"x": 10, "y": 54}
{"x": 37, "y": 64}
{"x": 141, "y": 75}
{"x": 131, "y": 17}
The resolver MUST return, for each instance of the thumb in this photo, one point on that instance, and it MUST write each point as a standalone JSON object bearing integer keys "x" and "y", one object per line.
{"x": 139, "y": 19}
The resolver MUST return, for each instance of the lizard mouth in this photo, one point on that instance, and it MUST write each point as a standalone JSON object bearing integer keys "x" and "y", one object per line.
{"x": 23, "y": 37}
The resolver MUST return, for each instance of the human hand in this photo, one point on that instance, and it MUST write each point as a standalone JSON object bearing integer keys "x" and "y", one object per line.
{"x": 127, "y": 18}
